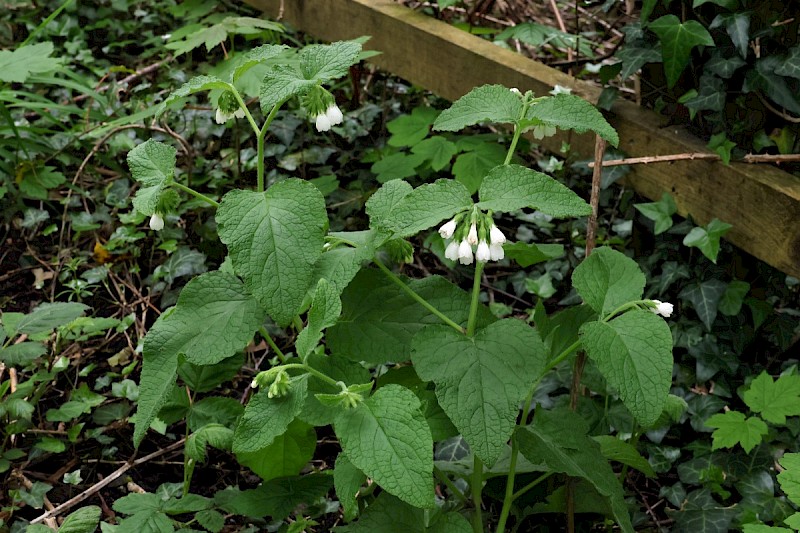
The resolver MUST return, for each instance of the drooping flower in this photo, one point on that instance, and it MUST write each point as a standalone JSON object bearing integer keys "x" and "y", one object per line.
{"x": 334, "y": 115}
{"x": 465, "y": 253}
{"x": 662, "y": 308}
{"x": 451, "y": 252}
{"x": 472, "y": 236}
{"x": 447, "y": 229}
{"x": 482, "y": 253}
{"x": 496, "y": 236}
{"x": 323, "y": 123}
{"x": 227, "y": 108}
{"x": 496, "y": 252}
{"x": 156, "y": 222}
{"x": 515, "y": 91}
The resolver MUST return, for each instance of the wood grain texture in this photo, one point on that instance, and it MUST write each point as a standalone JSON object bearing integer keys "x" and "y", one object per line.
{"x": 762, "y": 202}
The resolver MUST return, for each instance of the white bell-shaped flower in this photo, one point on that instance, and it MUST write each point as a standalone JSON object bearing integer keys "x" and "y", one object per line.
{"x": 447, "y": 229}
{"x": 482, "y": 253}
{"x": 662, "y": 308}
{"x": 451, "y": 252}
{"x": 496, "y": 236}
{"x": 239, "y": 113}
{"x": 156, "y": 222}
{"x": 465, "y": 253}
{"x": 323, "y": 123}
{"x": 221, "y": 117}
{"x": 496, "y": 252}
{"x": 472, "y": 236}
{"x": 334, "y": 115}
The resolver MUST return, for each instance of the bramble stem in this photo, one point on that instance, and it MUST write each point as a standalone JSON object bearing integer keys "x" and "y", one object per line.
{"x": 194, "y": 193}
{"x": 417, "y": 298}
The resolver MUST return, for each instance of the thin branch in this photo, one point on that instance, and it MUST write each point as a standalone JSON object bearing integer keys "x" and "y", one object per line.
{"x": 749, "y": 158}
{"x": 116, "y": 474}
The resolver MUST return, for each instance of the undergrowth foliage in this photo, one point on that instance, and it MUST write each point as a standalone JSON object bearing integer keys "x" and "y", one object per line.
{"x": 400, "y": 368}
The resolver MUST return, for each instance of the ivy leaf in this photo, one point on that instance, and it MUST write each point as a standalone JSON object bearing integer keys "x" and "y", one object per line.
{"x": 774, "y": 400}
{"x": 764, "y": 78}
{"x": 558, "y": 440}
{"x": 731, "y": 302}
{"x": 677, "y": 41}
{"x": 538, "y": 35}
{"x": 710, "y": 98}
{"x": 707, "y": 238}
{"x": 790, "y": 66}
{"x": 738, "y": 27}
{"x": 348, "y": 479}
{"x": 387, "y": 514}
{"x": 35, "y": 182}
{"x": 409, "y": 130}
{"x": 396, "y": 167}
{"x": 214, "y": 318}
{"x": 387, "y": 438}
{"x": 727, "y": 4}
{"x": 570, "y": 112}
{"x": 285, "y": 456}
{"x": 700, "y": 512}
{"x": 317, "y": 63}
{"x": 438, "y": 150}
{"x": 266, "y": 418}
{"x": 428, "y": 205}
{"x": 379, "y": 319}
{"x": 607, "y": 279}
{"x": 530, "y": 254}
{"x": 194, "y": 85}
{"x": 17, "y": 65}
{"x": 481, "y": 380}
{"x": 634, "y": 354}
{"x": 724, "y": 67}
{"x": 705, "y": 298}
{"x": 274, "y": 238}
{"x": 733, "y": 428}
{"x": 635, "y": 57}
{"x": 488, "y": 103}
{"x": 720, "y": 144}
{"x": 512, "y": 187}
{"x": 659, "y": 212}
{"x": 472, "y": 166}
{"x": 325, "y": 309}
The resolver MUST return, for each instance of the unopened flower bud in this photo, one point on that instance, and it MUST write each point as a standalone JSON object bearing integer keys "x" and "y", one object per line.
{"x": 472, "y": 236}
{"x": 447, "y": 229}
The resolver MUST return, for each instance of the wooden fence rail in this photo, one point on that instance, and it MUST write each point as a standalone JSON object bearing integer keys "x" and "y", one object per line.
{"x": 762, "y": 202}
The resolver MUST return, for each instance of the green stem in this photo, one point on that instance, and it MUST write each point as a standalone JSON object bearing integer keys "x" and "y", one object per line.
{"x": 247, "y": 114}
{"x": 194, "y": 193}
{"x": 262, "y": 136}
{"x": 623, "y": 307}
{"x": 314, "y": 372}
{"x": 563, "y": 355}
{"x": 513, "y": 147}
{"x": 441, "y": 476}
{"x": 476, "y": 292}
{"x": 419, "y": 299}
{"x": 476, "y": 488}
{"x": 268, "y": 338}
{"x": 530, "y": 485}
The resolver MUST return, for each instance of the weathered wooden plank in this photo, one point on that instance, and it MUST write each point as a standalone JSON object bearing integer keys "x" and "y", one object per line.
{"x": 762, "y": 202}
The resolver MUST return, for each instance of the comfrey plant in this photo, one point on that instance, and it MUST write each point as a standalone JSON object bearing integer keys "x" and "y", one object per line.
{"x": 421, "y": 384}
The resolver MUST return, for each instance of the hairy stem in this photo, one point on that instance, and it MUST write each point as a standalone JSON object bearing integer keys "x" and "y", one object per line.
{"x": 194, "y": 193}
{"x": 476, "y": 292}
{"x": 417, "y": 298}
{"x": 476, "y": 487}
{"x": 267, "y": 337}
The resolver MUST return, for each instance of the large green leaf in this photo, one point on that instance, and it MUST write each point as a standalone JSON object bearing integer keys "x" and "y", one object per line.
{"x": 481, "y": 380}
{"x": 48, "y": 316}
{"x": 438, "y": 150}
{"x": 734, "y": 428}
{"x": 387, "y": 438}
{"x": 387, "y": 514}
{"x": 411, "y": 129}
{"x": 274, "y": 238}
{"x": 379, "y": 319}
{"x": 607, "y": 279}
{"x": 84, "y": 520}
{"x": 195, "y": 85}
{"x": 634, "y": 354}
{"x": 527, "y": 254}
{"x": 215, "y": 435}
{"x": 790, "y": 66}
{"x": 570, "y": 112}
{"x": 276, "y": 498}
{"x": 214, "y": 318}
{"x": 348, "y": 479}
{"x": 285, "y": 456}
{"x": 17, "y": 65}
{"x": 380, "y": 205}
{"x": 511, "y": 187}
{"x": 258, "y": 55}
{"x": 558, "y": 440}
{"x": 428, "y": 205}
{"x": 615, "y": 449}
{"x": 488, "y": 103}
{"x": 317, "y": 63}
{"x": 325, "y": 309}
{"x": 152, "y": 164}
{"x": 266, "y": 418}
{"x": 774, "y": 400}
{"x": 677, "y": 41}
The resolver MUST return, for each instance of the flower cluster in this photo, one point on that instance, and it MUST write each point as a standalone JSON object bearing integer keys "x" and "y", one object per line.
{"x": 331, "y": 117}
{"x": 480, "y": 231}
{"x": 227, "y": 108}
